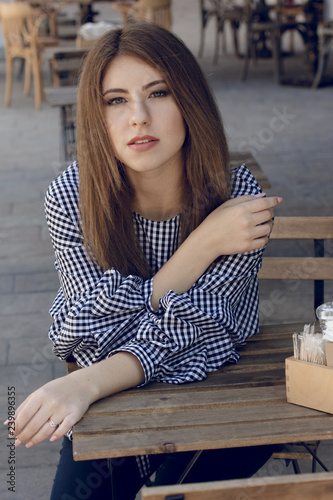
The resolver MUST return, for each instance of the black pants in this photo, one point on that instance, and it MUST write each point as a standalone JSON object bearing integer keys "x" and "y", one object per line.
{"x": 91, "y": 479}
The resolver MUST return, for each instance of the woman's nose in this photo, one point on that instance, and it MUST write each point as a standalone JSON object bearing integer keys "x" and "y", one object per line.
{"x": 139, "y": 114}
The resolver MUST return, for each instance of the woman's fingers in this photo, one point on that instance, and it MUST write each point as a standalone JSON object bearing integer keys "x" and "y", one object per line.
{"x": 25, "y": 412}
{"x": 262, "y": 230}
{"x": 29, "y": 427}
{"x": 51, "y": 429}
{"x": 242, "y": 199}
{"x": 42, "y": 433}
{"x": 262, "y": 217}
{"x": 262, "y": 204}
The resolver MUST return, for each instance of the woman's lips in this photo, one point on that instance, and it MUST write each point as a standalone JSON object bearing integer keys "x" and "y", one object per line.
{"x": 142, "y": 143}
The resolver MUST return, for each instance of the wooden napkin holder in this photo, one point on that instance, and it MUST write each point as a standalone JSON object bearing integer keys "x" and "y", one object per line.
{"x": 309, "y": 384}
{"x": 329, "y": 353}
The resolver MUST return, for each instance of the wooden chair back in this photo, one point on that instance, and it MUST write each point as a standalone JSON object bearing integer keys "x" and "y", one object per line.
{"x": 66, "y": 66}
{"x": 14, "y": 19}
{"x": 20, "y": 27}
{"x": 297, "y": 487}
{"x": 317, "y": 267}
{"x": 153, "y": 11}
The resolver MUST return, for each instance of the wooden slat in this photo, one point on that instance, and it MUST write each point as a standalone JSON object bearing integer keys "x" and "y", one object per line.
{"x": 302, "y": 228}
{"x": 91, "y": 446}
{"x": 257, "y": 345}
{"x": 129, "y": 403}
{"x": 291, "y": 487}
{"x": 70, "y": 65}
{"x": 278, "y": 331}
{"x": 296, "y": 268}
{"x": 61, "y": 96}
{"x": 199, "y": 418}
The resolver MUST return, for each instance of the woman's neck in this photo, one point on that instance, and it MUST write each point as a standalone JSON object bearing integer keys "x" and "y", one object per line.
{"x": 158, "y": 197}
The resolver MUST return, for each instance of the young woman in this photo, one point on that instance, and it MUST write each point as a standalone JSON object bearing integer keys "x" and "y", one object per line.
{"x": 157, "y": 248}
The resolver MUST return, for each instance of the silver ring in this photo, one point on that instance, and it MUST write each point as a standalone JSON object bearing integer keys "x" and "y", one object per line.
{"x": 52, "y": 424}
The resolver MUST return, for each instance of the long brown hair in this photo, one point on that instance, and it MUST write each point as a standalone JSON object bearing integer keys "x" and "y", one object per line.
{"x": 105, "y": 192}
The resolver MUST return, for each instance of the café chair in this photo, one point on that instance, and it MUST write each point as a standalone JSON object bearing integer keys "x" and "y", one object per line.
{"x": 325, "y": 38}
{"x": 223, "y": 11}
{"x": 208, "y": 10}
{"x": 20, "y": 28}
{"x": 66, "y": 66}
{"x": 260, "y": 28}
{"x": 52, "y": 10}
{"x": 124, "y": 6}
{"x": 153, "y": 11}
{"x": 287, "y": 487}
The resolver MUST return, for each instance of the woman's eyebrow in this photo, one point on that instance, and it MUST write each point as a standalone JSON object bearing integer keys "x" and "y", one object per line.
{"x": 117, "y": 91}
{"x": 124, "y": 91}
{"x": 151, "y": 84}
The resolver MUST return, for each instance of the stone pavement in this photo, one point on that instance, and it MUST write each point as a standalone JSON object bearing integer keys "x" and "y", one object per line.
{"x": 288, "y": 129}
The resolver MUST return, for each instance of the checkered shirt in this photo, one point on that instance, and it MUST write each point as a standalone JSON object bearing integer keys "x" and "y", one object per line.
{"x": 97, "y": 314}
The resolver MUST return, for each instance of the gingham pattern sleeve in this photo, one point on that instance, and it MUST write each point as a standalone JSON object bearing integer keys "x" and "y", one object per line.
{"x": 197, "y": 332}
{"x": 97, "y": 314}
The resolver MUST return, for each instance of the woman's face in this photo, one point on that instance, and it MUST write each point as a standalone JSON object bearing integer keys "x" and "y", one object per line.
{"x": 144, "y": 123}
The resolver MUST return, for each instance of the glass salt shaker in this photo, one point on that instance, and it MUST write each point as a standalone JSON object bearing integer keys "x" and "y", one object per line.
{"x": 325, "y": 316}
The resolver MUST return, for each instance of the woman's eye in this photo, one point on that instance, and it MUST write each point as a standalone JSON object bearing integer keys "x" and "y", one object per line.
{"x": 115, "y": 101}
{"x": 159, "y": 93}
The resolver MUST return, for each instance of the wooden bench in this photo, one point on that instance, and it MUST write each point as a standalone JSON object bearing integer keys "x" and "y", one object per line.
{"x": 304, "y": 487}
{"x": 66, "y": 65}
{"x": 316, "y": 267}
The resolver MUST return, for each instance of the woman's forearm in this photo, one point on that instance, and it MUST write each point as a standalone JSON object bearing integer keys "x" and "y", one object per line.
{"x": 117, "y": 373}
{"x": 183, "y": 269}
{"x": 237, "y": 226}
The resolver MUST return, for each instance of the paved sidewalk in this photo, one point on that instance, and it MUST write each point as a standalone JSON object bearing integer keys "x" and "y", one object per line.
{"x": 288, "y": 129}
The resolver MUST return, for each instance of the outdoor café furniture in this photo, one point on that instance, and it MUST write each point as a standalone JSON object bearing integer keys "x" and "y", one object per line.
{"x": 222, "y": 11}
{"x": 65, "y": 99}
{"x": 303, "y": 18}
{"x": 317, "y": 266}
{"x": 51, "y": 9}
{"x": 265, "y": 24}
{"x": 153, "y": 11}
{"x": 325, "y": 36}
{"x": 260, "y": 28}
{"x": 66, "y": 63}
{"x": 300, "y": 487}
{"x": 241, "y": 404}
{"x": 124, "y": 6}
{"x": 21, "y": 31}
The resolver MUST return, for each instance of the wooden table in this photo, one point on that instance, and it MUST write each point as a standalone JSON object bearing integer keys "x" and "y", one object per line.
{"x": 65, "y": 99}
{"x": 239, "y": 405}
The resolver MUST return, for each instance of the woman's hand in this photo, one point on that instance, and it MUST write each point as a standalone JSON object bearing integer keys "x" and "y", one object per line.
{"x": 239, "y": 225}
{"x": 62, "y": 401}
{"x": 52, "y": 410}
